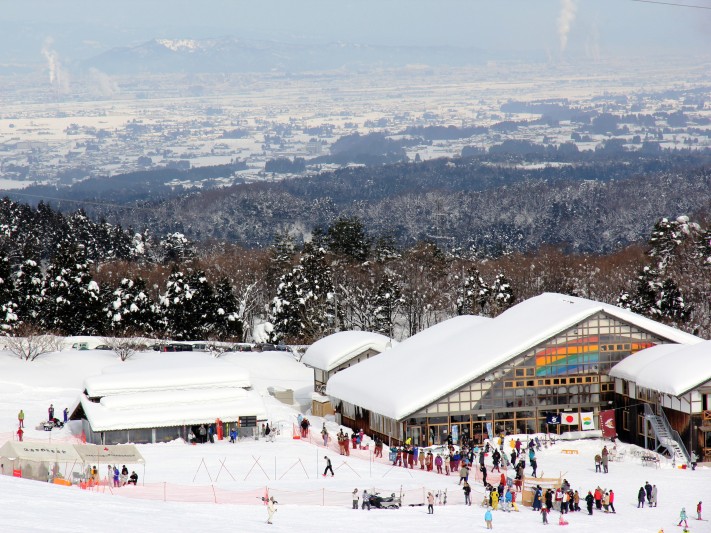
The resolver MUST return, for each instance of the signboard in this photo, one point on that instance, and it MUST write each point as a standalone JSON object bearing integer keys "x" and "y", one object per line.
{"x": 607, "y": 424}
{"x": 247, "y": 421}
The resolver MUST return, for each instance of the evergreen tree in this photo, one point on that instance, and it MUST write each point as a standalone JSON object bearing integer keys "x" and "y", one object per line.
{"x": 672, "y": 307}
{"x": 303, "y": 309}
{"x": 188, "y": 306}
{"x": 229, "y": 325}
{"x": 29, "y": 290}
{"x": 502, "y": 296}
{"x": 472, "y": 294}
{"x": 388, "y": 300}
{"x": 130, "y": 310}
{"x": 177, "y": 248}
{"x": 281, "y": 256}
{"x": 8, "y": 304}
{"x": 346, "y": 237}
{"x": 72, "y": 298}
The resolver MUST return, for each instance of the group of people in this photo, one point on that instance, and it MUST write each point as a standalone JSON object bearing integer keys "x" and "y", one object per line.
{"x": 602, "y": 460}
{"x": 345, "y": 441}
{"x": 50, "y": 418}
{"x": 648, "y": 493}
{"x": 120, "y": 478}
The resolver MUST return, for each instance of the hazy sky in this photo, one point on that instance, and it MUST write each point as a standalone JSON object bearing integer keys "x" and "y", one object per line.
{"x": 561, "y": 28}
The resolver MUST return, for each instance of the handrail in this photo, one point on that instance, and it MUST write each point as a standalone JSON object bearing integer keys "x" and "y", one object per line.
{"x": 649, "y": 413}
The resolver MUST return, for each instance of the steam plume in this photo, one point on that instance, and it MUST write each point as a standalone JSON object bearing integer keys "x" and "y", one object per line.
{"x": 565, "y": 21}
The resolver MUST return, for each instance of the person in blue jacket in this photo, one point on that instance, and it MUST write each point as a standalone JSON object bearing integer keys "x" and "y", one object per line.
{"x": 488, "y": 518}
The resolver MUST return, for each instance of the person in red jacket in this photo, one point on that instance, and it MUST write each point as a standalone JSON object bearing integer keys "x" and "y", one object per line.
{"x": 612, "y": 500}
{"x": 598, "y": 498}
{"x": 19, "y": 434}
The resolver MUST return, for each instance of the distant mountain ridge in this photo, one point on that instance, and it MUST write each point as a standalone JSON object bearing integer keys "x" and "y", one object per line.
{"x": 232, "y": 54}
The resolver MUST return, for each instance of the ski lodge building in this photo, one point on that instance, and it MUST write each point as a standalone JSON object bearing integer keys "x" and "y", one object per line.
{"x": 473, "y": 376}
{"x": 664, "y": 399}
{"x": 335, "y": 353}
{"x": 161, "y": 404}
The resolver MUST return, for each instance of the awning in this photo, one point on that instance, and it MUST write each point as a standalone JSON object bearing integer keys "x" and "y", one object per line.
{"x": 40, "y": 452}
{"x": 109, "y": 454}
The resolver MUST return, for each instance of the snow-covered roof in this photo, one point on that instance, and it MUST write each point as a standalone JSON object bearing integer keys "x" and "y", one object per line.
{"x": 329, "y": 352}
{"x": 451, "y": 361}
{"x": 216, "y": 375}
{"x": 171, "y": 408}
{"x": 74, "y": 453}
{"x": 670, "y": 368}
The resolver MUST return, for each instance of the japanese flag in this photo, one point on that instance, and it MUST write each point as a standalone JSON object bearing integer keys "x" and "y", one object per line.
{"x": 569, "y": 418}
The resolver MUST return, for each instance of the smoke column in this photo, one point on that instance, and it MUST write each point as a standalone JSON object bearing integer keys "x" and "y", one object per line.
{"x": 52, "y": 60}
{"x": 565, "y": 21}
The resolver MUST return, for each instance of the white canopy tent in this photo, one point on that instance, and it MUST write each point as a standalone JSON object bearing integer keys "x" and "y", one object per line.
{"x": 40, "y": 461}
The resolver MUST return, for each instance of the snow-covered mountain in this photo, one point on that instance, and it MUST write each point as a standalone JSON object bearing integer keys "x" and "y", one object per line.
{"x": 232, "y": 54}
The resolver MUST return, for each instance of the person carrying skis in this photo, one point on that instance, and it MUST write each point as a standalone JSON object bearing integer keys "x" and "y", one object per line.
{"x": 328, "y": 466}
{"x": 682, "y": 517}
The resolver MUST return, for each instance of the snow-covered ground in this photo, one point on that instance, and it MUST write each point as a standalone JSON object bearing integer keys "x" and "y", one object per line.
{"x": 193, "y": 477}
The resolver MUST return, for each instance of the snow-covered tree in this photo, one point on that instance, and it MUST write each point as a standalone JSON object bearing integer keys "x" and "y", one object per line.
{"x": 229, "y": 325}
{"x": 129, "y": 309}
{"x": 502, "y": 296}
{"x": 188, "y": 306}
{"x": 388, "y": 299}
{"x": 29, "y": 288}
{"x": 177, "y": 248}
{"x": 472, "y": 293}
{"x": 72, "y": 303}
{"x": 346, "y": 237}
{"x": 8, "y": 303}
{"x": 303, "y": 309}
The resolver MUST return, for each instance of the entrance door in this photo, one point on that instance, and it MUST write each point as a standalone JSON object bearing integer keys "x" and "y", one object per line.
{"x": 414, "y": 433}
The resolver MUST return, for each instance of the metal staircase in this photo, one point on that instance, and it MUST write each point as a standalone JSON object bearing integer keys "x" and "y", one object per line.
{"x": 665, "y": 436}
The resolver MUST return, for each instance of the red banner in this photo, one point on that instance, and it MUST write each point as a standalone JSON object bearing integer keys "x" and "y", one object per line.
{"x": 607, "y": 424}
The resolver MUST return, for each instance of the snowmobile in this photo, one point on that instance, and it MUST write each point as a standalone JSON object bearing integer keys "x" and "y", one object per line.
{"x": 380, "y": 502}
{"x": 53, "y": 423}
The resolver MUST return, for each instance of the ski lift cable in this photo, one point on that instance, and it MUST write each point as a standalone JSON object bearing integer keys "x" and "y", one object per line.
{"x": 673, "y": 4}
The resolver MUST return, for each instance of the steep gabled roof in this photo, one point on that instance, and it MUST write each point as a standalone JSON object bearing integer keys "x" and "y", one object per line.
{"x": 428, "y": 366}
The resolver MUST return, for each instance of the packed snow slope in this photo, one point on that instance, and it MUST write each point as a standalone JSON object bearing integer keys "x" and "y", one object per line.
{"x": 193, "y": 477}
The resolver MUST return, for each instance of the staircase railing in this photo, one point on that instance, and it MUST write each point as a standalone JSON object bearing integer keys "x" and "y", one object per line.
{"x": 673, "y": 434}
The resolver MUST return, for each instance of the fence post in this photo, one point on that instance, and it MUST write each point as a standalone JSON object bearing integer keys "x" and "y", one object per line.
{"x": 164, "y": 489}
{"x": 323, "y": 497}
{"x": 214, "y": 494}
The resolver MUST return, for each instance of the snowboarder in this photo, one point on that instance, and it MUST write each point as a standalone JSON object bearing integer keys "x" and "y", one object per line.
{"x": 430, "y": 503}
{"x": 328, "y": 467}
{"x": 682, "y": 517}
{"x": 21, "y": 418}
{"x": 355, "y": 498}
{"x": 488, "y": 518}
{"x": 271, "y": 509}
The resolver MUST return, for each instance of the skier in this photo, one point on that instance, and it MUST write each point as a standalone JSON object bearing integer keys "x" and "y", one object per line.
{"x": 328, "y": 466}
{"x": 21, "y": 418}
{"x": 488, "y": 518}
{"x": 355, "y": 498}
{"x": 430, "y": 503}
{"x": 544, "y": 514}
{"x": 682, "y": 517}
{"x": 271, "y": 509}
